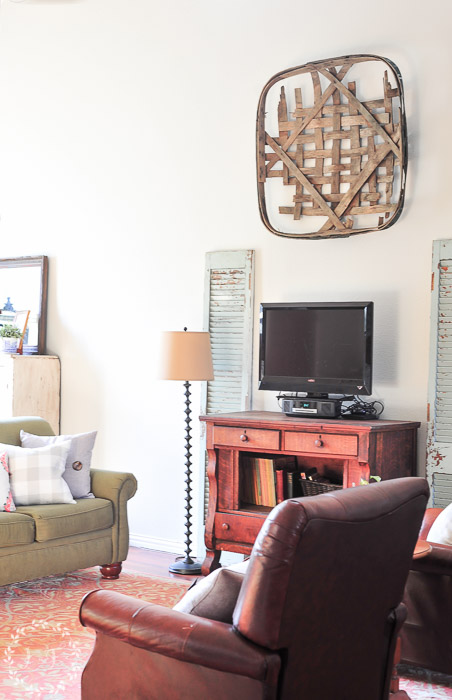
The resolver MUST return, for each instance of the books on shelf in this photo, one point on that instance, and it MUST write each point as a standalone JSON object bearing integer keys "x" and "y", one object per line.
{"x": 268, "y": 481}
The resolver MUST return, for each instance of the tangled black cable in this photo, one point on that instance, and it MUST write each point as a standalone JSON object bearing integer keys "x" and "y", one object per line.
{"x": 357, "y": 408}
{"x": 361, "y": 408}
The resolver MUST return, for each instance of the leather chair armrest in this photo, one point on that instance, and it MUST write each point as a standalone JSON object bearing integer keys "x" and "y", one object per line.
{"x": 181, "y": 636}
{"x": 438, "y": 561}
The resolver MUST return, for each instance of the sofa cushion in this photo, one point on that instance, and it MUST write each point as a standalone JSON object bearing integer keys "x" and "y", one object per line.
{"x": 214, "y": 597}
{"x": 36, "y": 474}
{"x": 6, "y": 497}
{"x": 16, "y": 529}
{"x": 62, "y": 520}
{"x": 78, "y": 461}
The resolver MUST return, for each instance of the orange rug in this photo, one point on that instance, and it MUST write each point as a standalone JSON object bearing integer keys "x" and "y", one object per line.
{"x": 43, "y": 647}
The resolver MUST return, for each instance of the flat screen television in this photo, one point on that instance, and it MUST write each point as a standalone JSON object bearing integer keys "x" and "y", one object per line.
{"x": 316, "y": 348}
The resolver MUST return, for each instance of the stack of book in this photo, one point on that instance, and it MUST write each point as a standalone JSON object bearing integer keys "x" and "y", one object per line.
{"x": 268, "y": 481}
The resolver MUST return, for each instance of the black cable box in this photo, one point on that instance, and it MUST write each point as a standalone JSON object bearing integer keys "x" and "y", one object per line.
{"x": 312, "y": 408}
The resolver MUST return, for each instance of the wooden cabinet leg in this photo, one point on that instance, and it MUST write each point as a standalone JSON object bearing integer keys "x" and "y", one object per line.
{"x": 111, "y": 571}
{"x": 211, "y": 562}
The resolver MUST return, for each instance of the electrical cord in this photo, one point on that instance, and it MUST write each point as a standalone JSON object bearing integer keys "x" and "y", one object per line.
{"x": 359, "y": 408}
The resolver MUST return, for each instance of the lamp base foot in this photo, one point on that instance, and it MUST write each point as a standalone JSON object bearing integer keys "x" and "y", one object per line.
{"x": 185, "y": 566}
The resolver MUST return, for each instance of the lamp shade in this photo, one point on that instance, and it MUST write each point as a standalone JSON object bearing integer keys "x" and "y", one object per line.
{"x": 186, "y": 355}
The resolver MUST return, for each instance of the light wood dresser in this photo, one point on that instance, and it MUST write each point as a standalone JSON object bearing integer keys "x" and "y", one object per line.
{"x": 30, "y": 386}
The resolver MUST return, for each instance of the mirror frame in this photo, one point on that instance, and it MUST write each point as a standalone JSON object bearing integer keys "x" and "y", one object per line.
{"x": 42, "y": 262}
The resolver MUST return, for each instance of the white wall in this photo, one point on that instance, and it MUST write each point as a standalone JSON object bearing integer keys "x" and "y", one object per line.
{"x": 127, "y": 150}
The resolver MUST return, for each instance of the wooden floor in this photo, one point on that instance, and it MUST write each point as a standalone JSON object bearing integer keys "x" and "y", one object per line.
{"x": 150, "y": 561}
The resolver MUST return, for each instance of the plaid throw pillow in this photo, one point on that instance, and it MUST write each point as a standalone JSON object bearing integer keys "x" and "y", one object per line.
{"x": 6, "y": 497}
{"x": 36, "y": 474}
{"x": 77, "y": 473}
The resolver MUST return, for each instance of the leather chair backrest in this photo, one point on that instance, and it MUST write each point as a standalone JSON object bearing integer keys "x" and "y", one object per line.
{"x": 10, "y": 428}
{"x": 324, "y": 575}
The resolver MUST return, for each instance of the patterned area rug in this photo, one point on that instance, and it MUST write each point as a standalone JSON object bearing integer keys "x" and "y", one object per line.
{"x": 420, "y": 683}
{"x": 43, "y": 647}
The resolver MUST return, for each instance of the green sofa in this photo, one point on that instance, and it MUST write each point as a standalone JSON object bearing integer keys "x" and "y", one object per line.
{"x": 43, "y": 540}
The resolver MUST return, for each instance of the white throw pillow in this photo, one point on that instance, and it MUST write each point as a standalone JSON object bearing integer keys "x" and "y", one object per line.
{"x": 77, "y": 472}
{"x": 214, "y": 597}
{"x": 6, "y": 497}
{"x": 441, "y": 530}
{"x": 36, "y": 474}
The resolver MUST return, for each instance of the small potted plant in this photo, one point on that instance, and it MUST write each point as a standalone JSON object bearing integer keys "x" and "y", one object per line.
{"x": 10, "y": 338}
{"x": 373, "y": 478}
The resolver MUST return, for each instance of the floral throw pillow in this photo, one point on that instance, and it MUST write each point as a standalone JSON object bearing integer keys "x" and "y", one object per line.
{"x": 6, "y": 497}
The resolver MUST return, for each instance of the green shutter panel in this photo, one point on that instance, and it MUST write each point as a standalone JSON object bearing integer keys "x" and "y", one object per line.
{"x": 228, "y": 316}
{"x": 439, "y": 437}
{"x": 443, "y": 398}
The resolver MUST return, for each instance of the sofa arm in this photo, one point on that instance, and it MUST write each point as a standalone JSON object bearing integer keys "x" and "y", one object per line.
{"x": 117, "y": 487}
{"x": 195, "y": 640}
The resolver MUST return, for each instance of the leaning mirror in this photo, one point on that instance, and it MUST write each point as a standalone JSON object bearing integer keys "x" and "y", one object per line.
{"x": 23, "y": 287}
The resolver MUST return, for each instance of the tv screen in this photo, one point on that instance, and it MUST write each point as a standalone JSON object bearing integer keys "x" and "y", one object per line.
{"x": 317, "y": 348}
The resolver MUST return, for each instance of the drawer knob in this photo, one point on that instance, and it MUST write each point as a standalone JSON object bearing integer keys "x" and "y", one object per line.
{"x": 225, "y": 526}
{"x": 244, "y": 437}
{"x": 318, "y": 442}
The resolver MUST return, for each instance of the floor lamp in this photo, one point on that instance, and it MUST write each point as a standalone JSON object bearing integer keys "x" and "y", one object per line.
{"x": 186, "y": 356}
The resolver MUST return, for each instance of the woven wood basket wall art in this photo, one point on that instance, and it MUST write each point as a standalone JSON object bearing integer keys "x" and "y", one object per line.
{"x": 332, "y": 148}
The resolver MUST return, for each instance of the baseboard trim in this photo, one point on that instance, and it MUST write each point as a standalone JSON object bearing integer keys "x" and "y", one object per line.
{"x": 172, "y": 547}
{"x": 157, "y": 543}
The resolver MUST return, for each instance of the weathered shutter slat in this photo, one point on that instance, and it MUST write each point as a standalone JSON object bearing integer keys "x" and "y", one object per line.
{"x": 228, "y": 316}
{"x": 442, "y": 490}
{"x": 443, "y": 426}
{"x": 439, "y": 436}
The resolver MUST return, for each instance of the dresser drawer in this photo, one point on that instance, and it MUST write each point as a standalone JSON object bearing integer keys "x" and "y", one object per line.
{"x": 238, "y": 528}
{"x": 321, "y": 443}
{"x": 247, "y": 437}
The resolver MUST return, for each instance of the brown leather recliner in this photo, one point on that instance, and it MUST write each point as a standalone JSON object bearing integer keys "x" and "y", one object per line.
{"x": 427, "y": 632}
{"x": 317, "y": 616}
